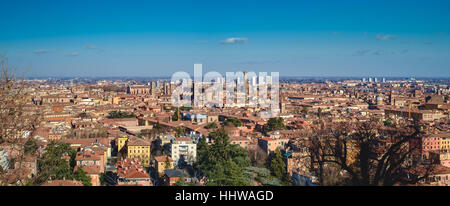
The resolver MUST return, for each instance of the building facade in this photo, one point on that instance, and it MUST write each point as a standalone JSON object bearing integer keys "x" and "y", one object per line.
{"x": 183, "y": 149}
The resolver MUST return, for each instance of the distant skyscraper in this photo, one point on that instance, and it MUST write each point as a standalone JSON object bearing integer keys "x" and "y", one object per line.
{"x": 269, "y": 79}
{"x": 363, "y": 80}
{"x": 261, "y": 80}
{"x": 384, "y": 80}
{"x": 254, "y": 81}
{"x": 370, "y": 79}
{"x": 376, "y": 79}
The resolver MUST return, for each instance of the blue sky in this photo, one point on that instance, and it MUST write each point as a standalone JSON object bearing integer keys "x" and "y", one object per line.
{"x": 296, "y": 38}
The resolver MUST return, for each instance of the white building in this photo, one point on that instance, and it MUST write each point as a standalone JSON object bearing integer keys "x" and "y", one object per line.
{"x": 183, "y": 149}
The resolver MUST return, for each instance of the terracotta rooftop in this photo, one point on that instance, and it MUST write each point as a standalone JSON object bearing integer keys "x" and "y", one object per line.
{"x": 183, "y": 139}
{"x": 440, "y": 170}
{"x": 90, "y": 169}
{"x": 131, "y": 168}
{"x": 162, "y": 158}
{"x": 134, "y": 141}
{"x": 87, "y": 156}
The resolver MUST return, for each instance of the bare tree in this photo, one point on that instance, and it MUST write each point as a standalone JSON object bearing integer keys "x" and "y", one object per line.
{"x": 258, "y": 156}
{"x": 369, "y": 153}
{"x": 16, "y": 122}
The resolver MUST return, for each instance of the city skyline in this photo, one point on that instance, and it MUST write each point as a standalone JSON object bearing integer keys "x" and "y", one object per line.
{"x": 342, "y": 39}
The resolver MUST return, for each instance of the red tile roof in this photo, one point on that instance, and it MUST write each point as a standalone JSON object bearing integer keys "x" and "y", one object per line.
{"x": 90, "y": 169}
{"x": 162, "y": 158}
{"x": 134, "y": 141}
{"x": 131, "y": 168}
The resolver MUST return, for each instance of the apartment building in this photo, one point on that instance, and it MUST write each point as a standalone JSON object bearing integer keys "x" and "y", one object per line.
{"x": 183, "y": 149}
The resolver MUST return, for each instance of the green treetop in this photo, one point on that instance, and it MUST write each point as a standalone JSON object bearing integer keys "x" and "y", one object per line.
{"x": 221, "y": 162}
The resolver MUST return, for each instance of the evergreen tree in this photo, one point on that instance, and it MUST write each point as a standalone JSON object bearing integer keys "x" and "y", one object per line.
{"x": 277, "y": 165}
{"x": 31, "y": 146}
{"x": 102, "y": 178}
{"x": 82, "y": 176}
{"x": 233, "y": 121}
{"x": 211, "y": 125}
{"x": 120, "y": 114}
{"x": 175, "y": 115}
{"x": 274, "y": 124}
{"x": 57, "y": 163}
{"x": 167, "y": 163}
{"x": 221, "y": 162}
{"x": 183, "y": 108}
{"x": 388, "y": 122}
{"x": 53, "y": 166}
{"x": 202, "y": 145}
{"x": 305, "y": 110}
{"x": 179, "y": 132}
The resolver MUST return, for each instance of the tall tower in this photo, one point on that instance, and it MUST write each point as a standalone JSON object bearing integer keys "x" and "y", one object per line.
{"x": 153, "y": 88}
{"x": 166, "y": 88}
{"x": 246, "y": 88}
{"x": 390, "y": 96}
{"x": 282, "y": 107}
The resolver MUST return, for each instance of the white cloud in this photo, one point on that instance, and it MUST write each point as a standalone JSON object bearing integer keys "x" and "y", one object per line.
{"x": 90, "y": 46}
{"x": 379, "y": 52}
{"x": 234, "y": 40}
{"x": 384, "y": 37}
